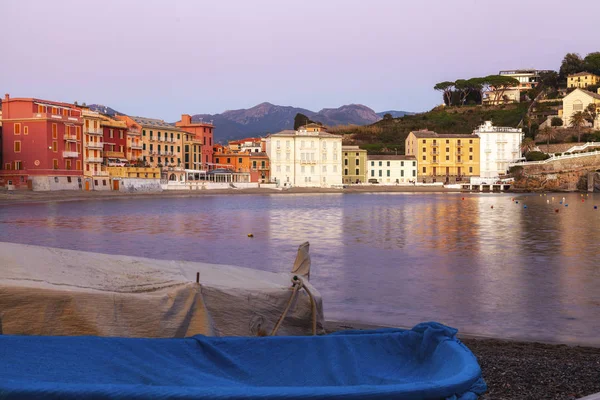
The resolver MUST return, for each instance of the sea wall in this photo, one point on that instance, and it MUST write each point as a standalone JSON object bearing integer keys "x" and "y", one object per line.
{"x": 568, "y": 174}
{"x": 49, "y": 183}
{"x": 139, "y": 185}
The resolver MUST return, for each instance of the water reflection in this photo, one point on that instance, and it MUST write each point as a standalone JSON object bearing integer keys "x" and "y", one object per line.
{"x": 382, "y": 258}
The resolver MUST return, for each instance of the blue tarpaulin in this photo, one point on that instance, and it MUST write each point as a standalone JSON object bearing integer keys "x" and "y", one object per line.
{"x": 427, "y": 362}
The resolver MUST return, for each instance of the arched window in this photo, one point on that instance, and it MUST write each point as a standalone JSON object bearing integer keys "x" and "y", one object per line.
{"x": 172, "y": 177}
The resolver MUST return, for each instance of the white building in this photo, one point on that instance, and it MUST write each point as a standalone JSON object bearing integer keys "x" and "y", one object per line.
{"x": 308, "y": 157}
{"x": 498, "y": 147}
{"x": 392, "y": 169}
{"x": 578, "y": 101}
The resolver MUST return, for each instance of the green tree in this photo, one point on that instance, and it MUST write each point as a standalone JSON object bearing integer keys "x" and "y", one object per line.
{"x": 577, "y": 121}
{"x": 591, "y": 63}
{"x": 446, "y": 89}
{"x": 387, "y": 117}
{"x": 548, "y": 134}
{"x": 556, "y": 121}
{"x": 549, "y": 79}
{"x": 301, "y": 120}
{"x": 591, "y": 113}
{"x": 527, "y": 145}
{"x": 466, "y": 87}
{"x": 571, "y": 64}
{"x": 500, "y": 84}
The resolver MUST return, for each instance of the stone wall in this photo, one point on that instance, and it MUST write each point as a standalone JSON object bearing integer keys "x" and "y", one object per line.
{"x": 49, "y": 183}
{"x": 139, "y": 185}
{"x": 569, "y": 174}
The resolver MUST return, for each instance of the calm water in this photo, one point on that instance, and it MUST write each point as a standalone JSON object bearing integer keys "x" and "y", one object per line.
{"x": 381, "y": 258}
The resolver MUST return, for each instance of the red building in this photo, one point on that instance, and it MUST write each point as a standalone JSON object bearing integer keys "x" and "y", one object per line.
{"x": 41, "y": 143}
{"x": 203, "y": 132}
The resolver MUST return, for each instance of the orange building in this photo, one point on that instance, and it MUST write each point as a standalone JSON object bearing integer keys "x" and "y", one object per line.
{"x": 203, "y": 133}
{"x": 254, "y": 163}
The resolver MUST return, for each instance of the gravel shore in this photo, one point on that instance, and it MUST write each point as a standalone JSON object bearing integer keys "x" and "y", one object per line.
{"x": 516, "y": 370}
{"x": 24, "y": 196}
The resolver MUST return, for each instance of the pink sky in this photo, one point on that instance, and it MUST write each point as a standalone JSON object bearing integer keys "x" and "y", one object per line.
{"x": 163, "y": 58}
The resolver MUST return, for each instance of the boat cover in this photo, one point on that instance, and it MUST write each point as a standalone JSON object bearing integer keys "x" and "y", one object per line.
{"x": 427, "y": 362}
{"x": 50, "y": 291}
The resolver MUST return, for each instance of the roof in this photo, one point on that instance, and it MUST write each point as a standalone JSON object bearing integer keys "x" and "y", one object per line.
{"x": 425, "y": 134}
{"x": 258, "y": 154}
{"x": 592, "y": 94}
{"x": 155, "y": 123}
{"x": 391, "y": 157}
{"x": 581, "y": 74}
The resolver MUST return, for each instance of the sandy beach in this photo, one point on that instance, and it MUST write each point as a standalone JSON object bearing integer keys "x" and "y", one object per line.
{"x": 19, "y": 197}
{"x": 520, "y": 370}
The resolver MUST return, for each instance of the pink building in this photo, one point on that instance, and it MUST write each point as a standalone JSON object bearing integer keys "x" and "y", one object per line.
{"x": 41, "y": 144}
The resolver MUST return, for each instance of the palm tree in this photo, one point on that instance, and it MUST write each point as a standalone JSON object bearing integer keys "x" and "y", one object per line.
{"x": 577, "y": 121}
{"x": 548, "y": 134}
{"x": 527, "y": 145}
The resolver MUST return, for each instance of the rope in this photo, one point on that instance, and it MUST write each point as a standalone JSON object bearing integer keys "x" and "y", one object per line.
{"x": 296, "y": 285}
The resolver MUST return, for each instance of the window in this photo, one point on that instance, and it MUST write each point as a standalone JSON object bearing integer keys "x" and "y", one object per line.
{"x": 95, "y": 182}
{"x": 78, "y": 132}
{"x": 372, "y": 172}
{"x": 346, "y": 161}
{"x": 471, "y": 158}
{"x": 380, "y": 173}
{"x": 401, "y": 172}
{"x": 25, "y": 130}
{"x": 121, "y": 134}
{"x": 144, "y": 147}
{"x": 17, "y": 146}
{"x": 447, "y": 149}
{"x": 54, "y": 131}
{"x": 388, "y": 172}
{"x": 325, "y": 169}
{"x": 55, "y": 146}
{"x": 470, "y": 141}
{"x": 239, "y": 160}
{"x": 111, "y": 134}
{"x": 302, "y": 169}
{"x": 178, "y": 149}
{"x": 121, "y": 148}
{"x": 424, "y": 158}
{"x": 447, "y": 142}
{"x": 380, "y": 163}
{"x": 18, "y": 165}
{"x": 357, "y": 162}
{"x": 178, "y": 136}
{"x": 346, "y": 171}
{"x": 67, "y": 164}
{"x": 103, "y": 182}
{"x": 312, "y": 169}
{"x": 229, "y": 161}
{"x": 414, "y": 163}
{"x": 357, "y": 172}
{"x": 372, "y": 163}
{"x": 17, "y": 129}
{"x": 388, "y": 163}
{"x": 470, "y": 149}
{"x": 424, "y": 170}
{"x": 55, "y": 163}
{"x": 424, "y": 150}
{"x": 54, "y": 110}
{"x": 471, "y": 169}
{"x": 414, "y": 172}
{"x": 424, "y": 141}
{"x": 7, "y": 167}
{"x": 95, "y": 124}
{"x": 144, "y": 132}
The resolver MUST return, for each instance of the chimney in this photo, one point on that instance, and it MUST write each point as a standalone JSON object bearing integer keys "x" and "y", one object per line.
{"x": 7, "y": 97}
{"x": 186, "y": 119}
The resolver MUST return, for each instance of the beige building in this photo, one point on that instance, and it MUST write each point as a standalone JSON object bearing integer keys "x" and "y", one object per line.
{"x": 582, "y": 80}
{"x": 392, "y": 169}
{"x": 93, "y": 143}
{"x": 162, "y": 143}
{"x": 354, "y": 165}
{"x": 444, "y": 158}
{"x": 578, "y": 100}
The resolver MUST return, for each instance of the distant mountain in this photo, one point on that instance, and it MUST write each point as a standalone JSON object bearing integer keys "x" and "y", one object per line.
{"x": 104, "y": 110}
{"x": 269, "y": 118}
{"x": 395, "y": 114}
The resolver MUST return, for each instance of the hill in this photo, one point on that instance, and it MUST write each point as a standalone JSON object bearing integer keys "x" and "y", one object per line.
{"x": 389, "y": 136}
{"x": 104, "y": 110}
{"x": 269, "y": 118}
{"x": 394, "y": 113}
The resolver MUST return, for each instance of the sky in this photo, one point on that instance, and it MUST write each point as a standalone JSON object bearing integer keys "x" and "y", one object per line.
{"x": 162, "y": 58}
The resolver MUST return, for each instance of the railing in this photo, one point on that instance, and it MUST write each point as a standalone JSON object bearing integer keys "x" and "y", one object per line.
{"x": 459, "y": 161}
{"x": 435, "y": 145}
{"x": 114, "y": 154}
{"x": 308, "y": 161}
{"x": 435, "y": 162}
{"x": 68, "y": 136}
{"x": 556, "y": 158}
{"x": 502, "y": 141}
{"x": 583, "y": 147}
{"x": 94, "y": 159}
{"x": 94, "y": 145}
{"x": 57, "y": 117}
{"x": 70, "y": 154}
{"x": 101, "y": 173}
{"x": 93, "y": 131}
{"x": 136, "y": 146}
{"x": 134, "y": 132}
{"x": 435, "y": 153}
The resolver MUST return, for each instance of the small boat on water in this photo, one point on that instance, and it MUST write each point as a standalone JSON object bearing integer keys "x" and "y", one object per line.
{"x": 426, "y": 362}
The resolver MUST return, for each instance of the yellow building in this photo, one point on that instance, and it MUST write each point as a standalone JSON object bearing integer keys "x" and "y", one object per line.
{"x": 192, "y": 153}
{"x": 582, "y": 80}
{"x": 162, "y": 143}
{"x": 93, "y": 143}
{"x": 444, "y": 158}
{"x": 354, "y": 165}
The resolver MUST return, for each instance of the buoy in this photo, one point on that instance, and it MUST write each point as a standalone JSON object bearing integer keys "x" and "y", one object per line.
{"x": 552, "y": 197}
{"x": 463, "y": 198}
{"x": 583, "y": 200}
{"x": 513, "y": 199}
{"x": 250, "y": 235}
{"x": 595, "y": 207}
{"x": 556, "y": 210}
{"x": 524, "y": 206}
{"x": 560, "y": 202}
{"x": 517, "y": 202}
{"x": 566, "y": 205}
{"x": 492, "y": 207}
{"x": 547, "y": 201}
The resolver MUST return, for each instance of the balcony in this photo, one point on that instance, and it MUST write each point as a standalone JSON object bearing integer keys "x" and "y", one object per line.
{"x": 308, "y": 161}
{"x": 435, "y": 161}
{"x": 70, "y": 138}
{"x": 459, "y": 161}
{"x": 94, "y": 145}
{"x": 57, "y": 117}
{"x": 70, "y": 154}
{"x": 94, "y": 159}
{"x": 459, "y": 144}
{"x": 435, "y": 144}
{"x": 93, "y": 131}
{"x": 502, "y": 141}
{"x": 434, "y": 153}
{"x": 137, "y": 146}
{"x": 134, "y": 132}
{"x": 101, "y": 173}
{"x": 114, "y": 154}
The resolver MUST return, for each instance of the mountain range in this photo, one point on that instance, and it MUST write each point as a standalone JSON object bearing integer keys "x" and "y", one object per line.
{"x": 267, "y": 118}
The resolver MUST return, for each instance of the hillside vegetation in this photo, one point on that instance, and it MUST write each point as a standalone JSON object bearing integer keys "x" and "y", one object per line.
{"x": 388, "y": 135}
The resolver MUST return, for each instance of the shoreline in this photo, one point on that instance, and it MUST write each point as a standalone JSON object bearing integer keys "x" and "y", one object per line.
{"x": 26, "y": 196}
{"x": 519, "y": 369}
